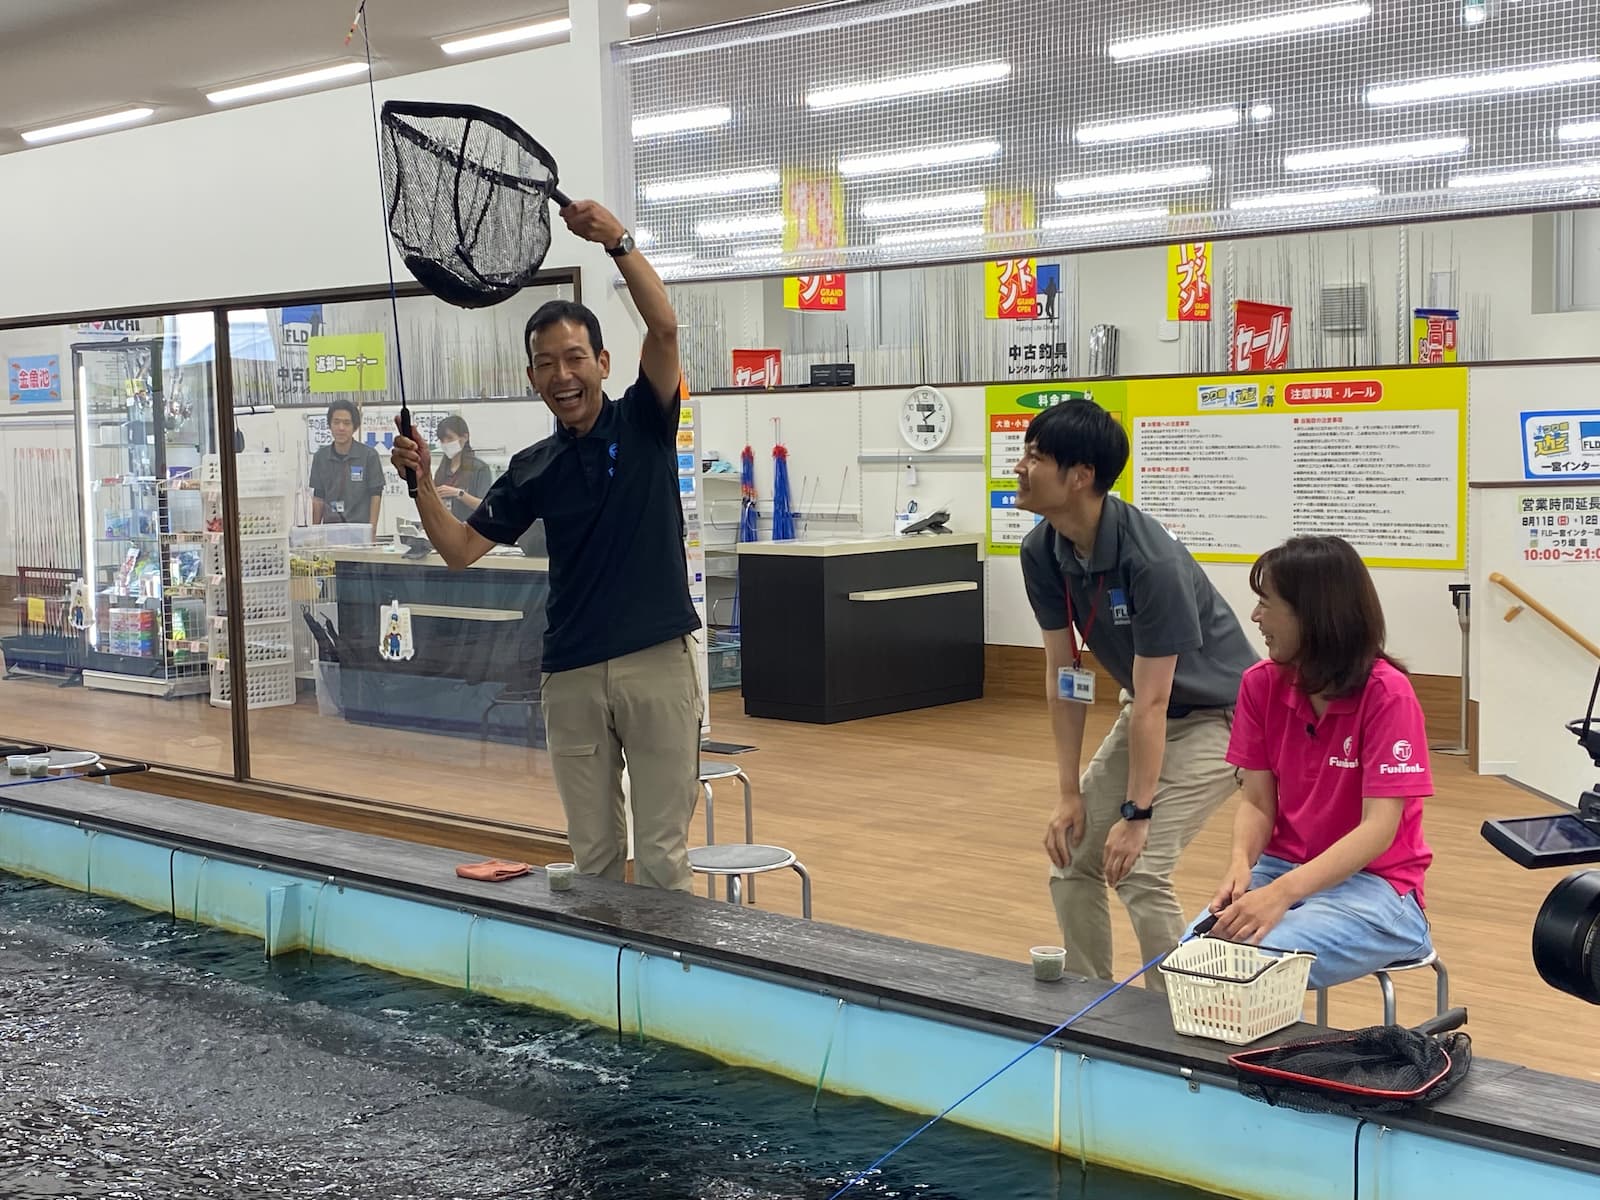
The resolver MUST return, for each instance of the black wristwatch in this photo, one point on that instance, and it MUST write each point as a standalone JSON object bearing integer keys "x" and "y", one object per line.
{"x": 1132, "y": 812}
{"x": 625, "y": 246}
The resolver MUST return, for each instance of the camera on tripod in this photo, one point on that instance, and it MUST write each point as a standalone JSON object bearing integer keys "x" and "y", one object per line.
{"x": 1566, "y": 933}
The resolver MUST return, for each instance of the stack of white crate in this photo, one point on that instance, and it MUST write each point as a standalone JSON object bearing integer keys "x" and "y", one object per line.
{"x": 264, "y": 514}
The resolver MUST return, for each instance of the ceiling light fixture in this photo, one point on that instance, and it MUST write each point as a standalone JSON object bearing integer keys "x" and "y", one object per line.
{"x": 1345, "y": 195}
{"x": 711, "y": 185}
{"x": 1091, "y": 220}
{"x": 684, "y": 121}
{"x": 514, "y": 36}
{"x": 1516, "y": 79}
{"x": 772, "y": 250}
{"x": 734, "y": 226}
{"x": 899, "y": 86}
{"x": 1134, "y": 181}
{"x": 1579, "y": 131}
{"x": 906, "y": 160}
{"x": 1260, "y": 113}
{"x": 794, "y": 30}
{"x": 635, "y": 11}
{"x": 944, "y": 233}
{"x": 921, "y": 206}
{"x": 287, "y": 83}
{"x": 1530, "y": 177}
{"x": 115, "y": 120}
{"x": 1147, "y": 128}
{"x": 1378, "y": 152}
{"x": 1306, "y": 20}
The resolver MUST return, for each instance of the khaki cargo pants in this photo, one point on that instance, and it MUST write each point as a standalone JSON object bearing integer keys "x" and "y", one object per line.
{"x": 1195, "y": 779}
{"x": 644, "y": 709}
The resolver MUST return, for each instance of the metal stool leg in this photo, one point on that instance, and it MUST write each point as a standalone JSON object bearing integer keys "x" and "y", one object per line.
{"x": 749, "y": 828}
{"x": 1386, "y": 985}
{"x": 711, "y": 840}
{"x": 1442, "y": 992}
{"x": 805, "y": 888}
{"x": 1322, "y": 1007}
{"x": 733, "y": 889}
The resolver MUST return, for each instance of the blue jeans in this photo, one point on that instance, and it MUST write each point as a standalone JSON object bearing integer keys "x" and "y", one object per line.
{"x": 1354, "y": 928}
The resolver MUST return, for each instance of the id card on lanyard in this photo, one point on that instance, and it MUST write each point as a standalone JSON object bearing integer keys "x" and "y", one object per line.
{"x": 1074, "y": 683}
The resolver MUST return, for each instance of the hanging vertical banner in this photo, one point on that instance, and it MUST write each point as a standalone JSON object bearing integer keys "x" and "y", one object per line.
{"x": 813, "y": 210}
{"x": 1010, "y": 289}
{"x": 1433, "y": 335}
{"x": 1008, "y": 219}
{"x": 814, "y": 293}
{"x": 757, "y": 368}
{"x": 1260, "y": 336}
{"x": 1189, "y": 281}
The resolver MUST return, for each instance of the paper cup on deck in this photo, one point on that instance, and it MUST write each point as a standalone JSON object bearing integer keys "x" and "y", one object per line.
{"x": 561, "y": 876}
{"x": 1049, "y": 963}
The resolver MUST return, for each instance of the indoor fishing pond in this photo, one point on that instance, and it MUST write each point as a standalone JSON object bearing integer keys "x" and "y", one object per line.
{"x": 146, "y": 1057}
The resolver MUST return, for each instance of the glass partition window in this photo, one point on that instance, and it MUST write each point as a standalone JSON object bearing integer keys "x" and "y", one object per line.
{"x": 106, "y": 547}
{"x": 372, "y": 670}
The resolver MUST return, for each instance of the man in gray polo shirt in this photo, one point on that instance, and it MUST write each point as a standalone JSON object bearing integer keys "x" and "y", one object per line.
{"x": 1099, "y": 567}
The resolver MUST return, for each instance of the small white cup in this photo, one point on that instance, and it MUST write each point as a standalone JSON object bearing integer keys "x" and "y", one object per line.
{"x": 1049, "y": 963}
{"x": 17, "y": 764}
{"x": 38, "y": 764}
{"x": 561, "y": 876}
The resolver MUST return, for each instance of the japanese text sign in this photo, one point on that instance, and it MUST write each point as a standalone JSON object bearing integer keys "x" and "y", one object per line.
{"x": 814, "y": 293}
{"x": 347, "y": 362}
{"x": 1562, "y": 445}
{"x": 813, "y": 211}
{"x": 1260, "y": 336}
{"x": 757, "y": 368}
{"x": 35, "y": 379}
{"x": 1010, "y": 289}
{"x": 1189, "y": 281}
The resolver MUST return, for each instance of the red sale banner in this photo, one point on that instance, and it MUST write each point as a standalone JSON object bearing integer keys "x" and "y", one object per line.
{"x": 757, "y": 368}
{"x": 1260, "y": 336}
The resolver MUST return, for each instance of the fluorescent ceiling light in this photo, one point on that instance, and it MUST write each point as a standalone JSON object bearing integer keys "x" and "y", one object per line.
{"x": 681, "y": 122}
{"x": 1516, "y": 79}
{"x": 945, "y": 233}
{"x": 128, "y": 116}
{"x": 929, "y": 156}
{"x": 1530, "y": 177}
{"x": 773, "y": 250}
{"x": 1378, "y": 152}
{"x": 1260, "y": 112}
{"x": 1146, "y": 128}
{"x": 1306, "y": 20}
{"x": 734, "y": 226}
{"x": 287, "y": 83}
{"x": 711, "y": 185}
{"x": 792, "y": 29}
{"x": 898, "y": 86}
{"x": 508, "y": 37}
{"x": 1134, "y": 181}
{"x": 921, "y": 206}
{"x": 1579, "y": 131}
{"x": 1345, "y": 195}
{"x": 670, "y": 260}
{"x": 1090, "y": 220}
{"x": 635, "y": 11}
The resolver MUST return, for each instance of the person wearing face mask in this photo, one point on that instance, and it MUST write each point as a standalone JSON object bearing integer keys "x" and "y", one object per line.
{"x": 620, "y": 679}
{"x": 1328, "y": 852}
{"x": 463, "y": 478}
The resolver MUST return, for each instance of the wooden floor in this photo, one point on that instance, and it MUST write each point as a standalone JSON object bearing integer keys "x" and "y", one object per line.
{"x": 923, "y": 825}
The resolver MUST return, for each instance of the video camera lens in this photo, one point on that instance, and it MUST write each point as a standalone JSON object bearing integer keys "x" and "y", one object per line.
{"x": 1566, "y": 937}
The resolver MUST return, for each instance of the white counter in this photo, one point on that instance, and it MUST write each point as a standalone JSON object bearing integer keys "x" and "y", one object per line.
{"x": 838, "y": 547}
{"x": 494, "y": 561}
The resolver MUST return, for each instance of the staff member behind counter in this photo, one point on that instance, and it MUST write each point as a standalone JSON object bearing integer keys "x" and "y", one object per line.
{"x": 463, "y": 479}
{"x": 346, "y": 477}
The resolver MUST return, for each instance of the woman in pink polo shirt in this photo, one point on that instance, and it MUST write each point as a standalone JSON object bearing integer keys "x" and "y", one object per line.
{"x": 1328, "y": 853}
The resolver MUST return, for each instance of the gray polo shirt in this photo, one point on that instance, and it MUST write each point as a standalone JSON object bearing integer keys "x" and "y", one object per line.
{"x": 1148, "y": 597}
{"x": 346, "y": 483}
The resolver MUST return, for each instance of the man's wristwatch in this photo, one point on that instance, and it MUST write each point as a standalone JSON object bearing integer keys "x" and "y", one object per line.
{"x": 1132, "y": 812}
{"x": 625, "y": 246}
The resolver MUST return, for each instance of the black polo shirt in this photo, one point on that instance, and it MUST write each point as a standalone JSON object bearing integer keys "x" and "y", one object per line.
{"x": 613, "y": 522}
{"x": 346, "y": 483}
{"x": 1147, "y": 596}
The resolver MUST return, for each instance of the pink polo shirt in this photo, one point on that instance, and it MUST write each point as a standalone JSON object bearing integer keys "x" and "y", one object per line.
{"x": 1371, "y": 744}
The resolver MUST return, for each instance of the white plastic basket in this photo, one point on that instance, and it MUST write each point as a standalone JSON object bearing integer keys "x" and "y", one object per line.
{"x": 1232, "y": 992}
{"x": 259, "y": 516}
{"x": 265, "y": 600}
{"x": 259, "y": 474}
{"x": 264, "y": 642}
{"x": 258, "y": 559}
{"x": 266, "y": 686}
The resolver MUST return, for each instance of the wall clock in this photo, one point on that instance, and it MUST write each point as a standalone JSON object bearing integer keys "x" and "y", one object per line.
{"x": 925, "y": 418}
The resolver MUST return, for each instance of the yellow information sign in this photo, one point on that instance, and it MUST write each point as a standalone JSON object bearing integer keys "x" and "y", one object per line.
{"x": 347, "y": 362}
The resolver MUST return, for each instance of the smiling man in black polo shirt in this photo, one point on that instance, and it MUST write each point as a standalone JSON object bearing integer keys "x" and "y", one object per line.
{"x": 619, "y": 653}
{"x": 1099, "y": 567}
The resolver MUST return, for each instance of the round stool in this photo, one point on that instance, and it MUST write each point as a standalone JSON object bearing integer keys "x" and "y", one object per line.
{"x": 1386, "y": 986}
{"x": 710, "y": 772}
{"x": 732, "y": 860}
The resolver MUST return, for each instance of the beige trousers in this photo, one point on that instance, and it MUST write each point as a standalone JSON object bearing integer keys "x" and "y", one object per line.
{"x": 644, "y": 709}
{"x": 1195, "y": 780}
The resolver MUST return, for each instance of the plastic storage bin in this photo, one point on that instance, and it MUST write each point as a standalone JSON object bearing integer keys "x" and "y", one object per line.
{"x": 1234, "y": 993}
{"x": 722, "y": 663}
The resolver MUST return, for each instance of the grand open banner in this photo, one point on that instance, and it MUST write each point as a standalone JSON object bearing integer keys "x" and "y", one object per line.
{"x": 1234, "y": 465}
